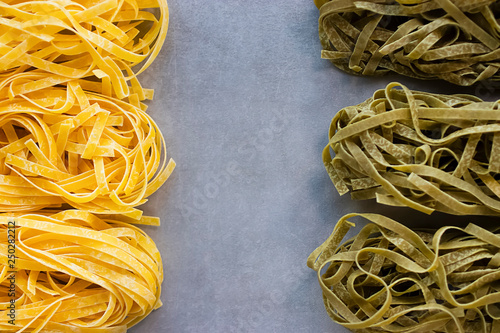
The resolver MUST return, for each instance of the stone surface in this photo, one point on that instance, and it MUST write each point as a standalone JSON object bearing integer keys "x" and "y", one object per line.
{"x": 245, "y": 102}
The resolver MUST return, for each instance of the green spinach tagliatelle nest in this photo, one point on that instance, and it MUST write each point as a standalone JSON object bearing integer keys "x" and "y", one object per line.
{"x": 454, "y": 40}
{"x": 389, "y": 278}
{"x": 422, "y": 150}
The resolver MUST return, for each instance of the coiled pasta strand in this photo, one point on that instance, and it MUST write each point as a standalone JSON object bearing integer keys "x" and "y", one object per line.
{"x": 83, "y": 39}
{"x": 421, "y": 150}
{"x": 454, "y": 40}
{"x": 390, "y": 278}
{"x": 63, "y": 144}
{"x": 76, "y": 272}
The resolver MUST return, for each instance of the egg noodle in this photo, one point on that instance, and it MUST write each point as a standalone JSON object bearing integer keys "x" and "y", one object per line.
{"x": 82, "y": 39}
{"x": 389, "y": 278}
{"x": 77, "y": 272}
{"x": 64, "y": 144}
{"x": 457, "y": 41}
{"x": 421, "y": 150}
{"x": 74, "y": 133}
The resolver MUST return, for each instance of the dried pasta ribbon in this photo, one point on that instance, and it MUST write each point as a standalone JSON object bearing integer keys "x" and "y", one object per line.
{"x": 67, "y": 144}
{"x": 83, "y": 39}
{"x": 76, "y": 272}
{"x": 421, "y": 150}
{"x": 389, "y": 278}
{"x": 454, "y": 40}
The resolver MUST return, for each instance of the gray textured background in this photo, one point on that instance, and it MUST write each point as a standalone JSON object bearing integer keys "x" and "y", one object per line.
{"x": 245, "y": 102}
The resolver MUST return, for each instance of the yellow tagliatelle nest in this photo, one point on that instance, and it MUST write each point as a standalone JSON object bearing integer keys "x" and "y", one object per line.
{"x": 64, "y": 144}
{"x": 390, "y": 278}
{"x": 75, "y": 272}
{"x": 426, "y": 151}
{"x": 454, "y": 40}
{"x": 81, "y": 39}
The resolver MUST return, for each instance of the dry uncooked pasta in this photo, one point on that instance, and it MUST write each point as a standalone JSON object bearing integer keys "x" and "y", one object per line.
{"x": 75, "y": 272}
{"x": 454, "y": 40}
{"x": 82, "y": 39}
{"x": 426, "y": 151}
{"x": 62, "y": 144}
{"x": 390, "y": 278}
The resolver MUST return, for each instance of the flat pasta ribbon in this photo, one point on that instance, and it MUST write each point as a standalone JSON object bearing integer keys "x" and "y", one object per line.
{"x": 425, "y": 151}
{"x": 82, "y": 39}
{"x": 454, "y": 40}
{"x": 389, "y": 278}
{"x": 75, "y": 272}
{"x": 63, "y": 144}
